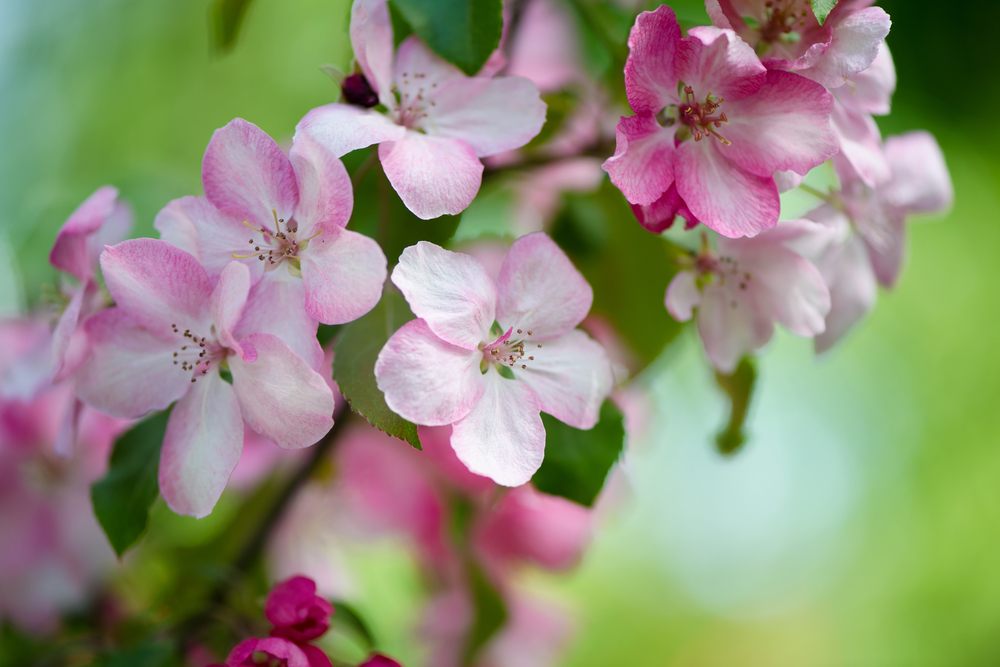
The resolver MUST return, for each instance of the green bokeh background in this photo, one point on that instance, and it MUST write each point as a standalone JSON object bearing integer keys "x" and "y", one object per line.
{"x": 859, "y": 527}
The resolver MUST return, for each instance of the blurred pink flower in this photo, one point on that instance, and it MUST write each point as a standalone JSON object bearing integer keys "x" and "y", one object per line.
{"x": 858, "y": 240}
{"x": 740, "y": 290}
{"x": 379, "y": 660}
{"x": 296, "y": 611}
{"x": 270, "y": 651}
{"x": 168, "y": 337}
{"x": 710, "y": 118}
{"x": 438, "y": 122}
{"x": 488, "y": 356}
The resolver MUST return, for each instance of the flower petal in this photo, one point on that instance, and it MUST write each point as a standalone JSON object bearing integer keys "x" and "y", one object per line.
{"x": 99, "y": 220}
{"x": 203, "y": 231}
{"x": 326, "y": 197}
{"x": 248, "y": 176}
{"x": 449, "y": 291}
{"x": 491, "y": 115}
{"x": 650, "y": 78}
{"x": 426, "y": 380}
{"x": 920, "y": 182}
{"x": 861, "y": 156}
{"x": 856, "y": 35}
{"x": 871, "y": 90}
{"x": 371, "y": 39}
{"x": 434, "y": 176}
{"x": 201, "y": 447}
{"x": 228, "y": 301}
{"x": 502, "y": 437}
{"x": 157, "y": 284}
{"x": 286, "y": 652}
{"x": 129, "y": 371}
{"x": 716, "y": 61}
{"x": 540, "y": 289}
{"x": 730, "y": 328}
{"x": 570, "y": 376}
{"x": 280, "y": 396}
{"x": 343, "y": 273}
{"x": 683, "y": 296}
{"x": 785, "y": 126}
{"x": 643, "y": 164}
{"x": 853, "y": 290}
{"x": 276, "y": 305}
{"x": 660, "y": 215}
{"x": 341, "y": 128}
{"x": 722, "y": 196}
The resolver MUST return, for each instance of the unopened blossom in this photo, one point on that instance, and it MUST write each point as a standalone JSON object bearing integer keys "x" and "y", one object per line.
{"x": 296, "y": 611}
{"x": 283, "y": 216}
{"x": 433, "y": 123}
{"x": 101, "y": 219}
{"x": 488, "y": 356}
{"x": 171, "y": 335}
{"x": 858, "y": 239}
{"x": 740, "y": 289}
{"x": 379, "y": 660}
{"x": 712, "y": 122}
{"x": 846, "y": 54}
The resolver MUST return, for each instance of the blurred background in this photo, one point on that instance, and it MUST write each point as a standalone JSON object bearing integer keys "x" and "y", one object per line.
{"x": 861, "y": 523}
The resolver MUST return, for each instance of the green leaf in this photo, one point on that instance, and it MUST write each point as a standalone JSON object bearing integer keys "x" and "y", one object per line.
{"x": 738, "y": 387}
{"x": 463, "y": 32}
{"x": 149, "y": 654}
{"x": 354, "y": 358}
{"x": 346, "y": 616}
{"x": 489, "y": 612}
{"x": 122, "y": 497}
{"x": 822, "y": 9}
{"x": 577, "y": 462}
{"x": 227, "y": 18}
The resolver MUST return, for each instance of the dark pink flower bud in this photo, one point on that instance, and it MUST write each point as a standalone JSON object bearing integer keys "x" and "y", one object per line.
{"x": 358, "y": 91}
{"x": 296, "y": 612}
{"x": 267, "y": 651}
{"x": 379, "y": 660}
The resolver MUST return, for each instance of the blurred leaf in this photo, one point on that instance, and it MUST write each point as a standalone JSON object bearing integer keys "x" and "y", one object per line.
{"x": 148, "y": 654}
{"x": 345, "y": 615}
{"x": 489, "y": 612}
{"x": 122, "y": 497}
{"x": 354, "y": 358}
{"x": 227, "y": 19}
{"x": 627, "y": 267}
{"x": 463, "y": 32}
{"x": 738, "y": 387}
{"x": 577, "y": 462}
{"x": 822, "y": 9}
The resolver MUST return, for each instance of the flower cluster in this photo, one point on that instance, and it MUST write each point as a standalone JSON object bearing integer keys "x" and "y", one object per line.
{"x": 730, "y": 114}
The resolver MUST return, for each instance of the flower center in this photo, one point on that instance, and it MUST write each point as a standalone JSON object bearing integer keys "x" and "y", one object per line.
{"x": 277, "y": 246}
{"x": 722, "y": 272}
{"x": 783, "y": 20}
{"x": 701, "y": 117}
{"x": 412, "y": 99}
{"x": 198, "y": 354}
{"x": 510, "y": 350}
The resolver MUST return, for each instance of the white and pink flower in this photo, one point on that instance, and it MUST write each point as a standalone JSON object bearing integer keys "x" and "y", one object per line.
{"x": 487, "y": 356}
{"x": 171, "y": 334}
{"x": 712, "y": 126}
{"x": 433, "y": 124}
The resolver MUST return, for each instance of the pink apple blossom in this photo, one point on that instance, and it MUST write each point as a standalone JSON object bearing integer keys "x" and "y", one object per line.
{"x": 739, "y": 290}
{"x": 432, "y": 123}
{"x": 487, "y": 356}
{"x": 296, "y": 611}
{"x": 169, "y": 335}
{"x": 711, "y": 120}
{"x": 270, "y": 651}
{"x": 283, "y": 216}
{"x": 857, "y": 240}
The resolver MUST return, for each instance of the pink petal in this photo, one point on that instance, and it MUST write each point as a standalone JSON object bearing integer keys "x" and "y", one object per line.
{"x": 343, "y": 273}
{"x": 854, "y": 44}
{"x": 248, "y": 176}
{"x": 203, "y": 231}
{"x": 570, "y": 376}
{"x": 341, "y": 128}
{"x": 660, "y": 215}
{"x": 64, "y": 360}
{"x": 650, "y": 78}
{"x": 371, "y": 39}
{"x": 99, "y": 220}
{"x": 849, "y": 276}
{"x": 201, "y": 447}
{"x": 433, "y": 176}
{"x": 785, "y": 126}
{"x": 449, "y": 291}
{"x": 540, "y": 289}
{"x": 228, "y": 301}
{"x": 129, "y": 371}
{"x": 490, "y": 115}
{"x": 716, "y": 61}
{"x": 426, "y": 380}
{"x": 277, "y": 306}
{"x": 545, "y": 48}
{"x": 643, "y": 164}
{"x": 730, "y": 328}
{"x": 871, "y": 90}
{"x": 157, "y": 284}
{"x": 280, "y": 396}
{"x": 860, "y": 142}
{"x": 683, "y": 296}
{"x": 920, "y": 181}
{"x": 326, "y": 197}
{"x": 282, "y": 650}
{"x": 722, "y": 196}
{"x": 502, "y": 437}
{"x": 418, "y": 77}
